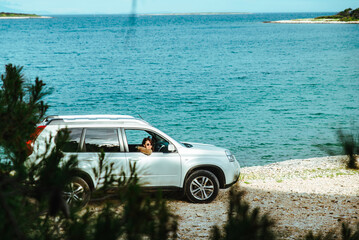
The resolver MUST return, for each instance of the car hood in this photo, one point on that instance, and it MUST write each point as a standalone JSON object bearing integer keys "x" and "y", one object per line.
{"x": 204, "y": 147}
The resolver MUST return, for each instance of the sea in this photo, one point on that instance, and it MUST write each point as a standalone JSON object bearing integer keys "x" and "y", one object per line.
{"x": 268, "y": 92}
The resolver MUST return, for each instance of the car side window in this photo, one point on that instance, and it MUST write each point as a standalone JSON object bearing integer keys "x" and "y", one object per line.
{"x": 135, "y": 137}
{"x": 72, "y": 145}
{"x": 97, "y": 139}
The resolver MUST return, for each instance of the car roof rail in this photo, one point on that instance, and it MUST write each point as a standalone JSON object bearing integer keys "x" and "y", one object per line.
{"x": 77, "y": 118}
{"x": 91, "y": 117}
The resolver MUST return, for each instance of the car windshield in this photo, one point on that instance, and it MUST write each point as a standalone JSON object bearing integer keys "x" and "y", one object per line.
{"x": 187, "y": 145}
{"x": 181, "y": 143}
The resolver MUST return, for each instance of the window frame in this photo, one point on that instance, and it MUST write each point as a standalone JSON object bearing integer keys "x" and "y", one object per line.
{"x": 79, "y": 144}
{"x": 83, "y": 136}
{"x": 124, "y": 136}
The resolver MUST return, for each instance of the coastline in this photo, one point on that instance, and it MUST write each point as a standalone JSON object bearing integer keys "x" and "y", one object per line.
{"x": 24, "y": 17}
{"x": 200, "y": 13}
{"x": 312, "y": 21}
{"x": 315, "y": 194}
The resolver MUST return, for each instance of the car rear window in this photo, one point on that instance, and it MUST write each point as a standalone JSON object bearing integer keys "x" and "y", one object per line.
{"x": 97, "y": 139}
{"x": 72, "y": 145}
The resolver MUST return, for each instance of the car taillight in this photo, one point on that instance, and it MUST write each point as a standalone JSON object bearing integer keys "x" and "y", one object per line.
{"x": 33, "y": 137}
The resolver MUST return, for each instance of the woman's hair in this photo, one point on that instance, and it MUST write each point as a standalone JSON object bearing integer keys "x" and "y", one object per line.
{"x": 145, "y": 140}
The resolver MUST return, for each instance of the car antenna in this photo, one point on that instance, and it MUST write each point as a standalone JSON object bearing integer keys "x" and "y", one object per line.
{"x": 140, "y": 116}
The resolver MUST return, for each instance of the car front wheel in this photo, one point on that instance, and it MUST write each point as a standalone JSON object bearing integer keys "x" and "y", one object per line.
{"x": 77, "y": 192}
{"x": 201, "y": 186}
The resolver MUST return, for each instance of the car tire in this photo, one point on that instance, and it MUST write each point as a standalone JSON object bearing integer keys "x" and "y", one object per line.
{"x": 77, "y": 192}
{"x": 201, "y": 186}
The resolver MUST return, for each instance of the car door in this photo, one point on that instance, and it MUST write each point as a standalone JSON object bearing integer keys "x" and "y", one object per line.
{"x": 107, "y": 139}
{"x": 159, "y": 169}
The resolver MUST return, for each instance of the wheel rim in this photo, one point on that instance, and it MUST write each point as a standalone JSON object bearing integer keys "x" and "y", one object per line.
{"x": 75, "y": 193}
{"x": 202, "y": 188}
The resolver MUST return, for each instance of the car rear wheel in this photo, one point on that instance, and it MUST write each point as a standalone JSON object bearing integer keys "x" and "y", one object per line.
{"x": 77, "y": 192}
{"x": 201, "y": 186}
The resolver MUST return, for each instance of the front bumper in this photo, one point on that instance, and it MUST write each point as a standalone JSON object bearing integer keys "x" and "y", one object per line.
{"x": 232, "y": 183}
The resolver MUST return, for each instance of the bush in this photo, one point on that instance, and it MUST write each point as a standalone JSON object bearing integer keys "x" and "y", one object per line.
{"x": 329, "y": 17}
{"x": 350, "y": 145}
{"x": 346, "y": 15}
{"x": 346, "y": 233}
{"x": 31, "y": 197}
{"x": 355, "y": 14}
{"x": 244, "y": 223}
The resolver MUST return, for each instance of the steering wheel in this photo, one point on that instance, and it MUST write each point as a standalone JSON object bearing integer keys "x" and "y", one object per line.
{"x": 160, "y": 146}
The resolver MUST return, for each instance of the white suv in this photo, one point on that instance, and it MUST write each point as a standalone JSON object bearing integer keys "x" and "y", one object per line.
{"x": 199, "y": 170}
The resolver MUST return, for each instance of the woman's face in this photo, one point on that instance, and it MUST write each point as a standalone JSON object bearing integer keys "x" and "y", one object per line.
{"x": 148, "y": 145}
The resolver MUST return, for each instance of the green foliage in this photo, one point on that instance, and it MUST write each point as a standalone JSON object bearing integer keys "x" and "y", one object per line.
{"x": 346, "y": 15}
{"x": 329, "y": 17}
{"x": 31, "y": 192}
{"x": 320, "y": 236}
{"x": 355, "y": 14}
{"x": 6, "y": 14}
{"x": 27, "y": 190}
{"x": 21, "y": 107}
{"x": 104, "y": 172}
{"x": 156, "y": 221}
{"x": 244, "y": 223}
{"x": 139, "y": 217}
{"x": 347, "y": 233}
{"x": 350, "y": 144}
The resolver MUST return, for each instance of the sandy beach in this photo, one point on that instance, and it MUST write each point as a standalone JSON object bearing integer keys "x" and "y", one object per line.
{"x": 300, "y": 195}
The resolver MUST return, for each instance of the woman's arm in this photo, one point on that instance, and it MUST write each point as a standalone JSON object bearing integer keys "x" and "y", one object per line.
{"x": 144, "y": 150}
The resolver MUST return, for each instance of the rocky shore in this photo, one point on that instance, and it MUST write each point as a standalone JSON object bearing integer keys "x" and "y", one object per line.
{"x": 300, "y": 195}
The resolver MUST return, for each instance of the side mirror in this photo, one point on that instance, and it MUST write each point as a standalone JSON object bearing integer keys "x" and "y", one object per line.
{"x": 171, "y": 148}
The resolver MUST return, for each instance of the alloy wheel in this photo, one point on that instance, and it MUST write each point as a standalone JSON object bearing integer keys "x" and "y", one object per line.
{"x": 74, "y": 193}
{"x": 202, "y": 188}
{"x": 77, "y": 192}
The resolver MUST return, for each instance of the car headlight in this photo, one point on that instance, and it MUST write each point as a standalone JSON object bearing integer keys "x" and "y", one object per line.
{"x": 230, "y": 156}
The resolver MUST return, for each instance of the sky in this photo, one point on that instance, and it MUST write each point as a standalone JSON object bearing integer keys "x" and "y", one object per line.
{"x": 172, "y": 6}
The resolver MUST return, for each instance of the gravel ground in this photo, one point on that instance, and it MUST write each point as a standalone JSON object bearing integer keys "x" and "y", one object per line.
{"x": 300, "y": 195}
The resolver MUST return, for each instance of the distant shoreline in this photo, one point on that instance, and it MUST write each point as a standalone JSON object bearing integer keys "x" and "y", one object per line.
{"x": 312, "y": 21}
{"x": 24, "y": 17}
{"x": 9, "y": 15}
{"x": 200, "y": 13}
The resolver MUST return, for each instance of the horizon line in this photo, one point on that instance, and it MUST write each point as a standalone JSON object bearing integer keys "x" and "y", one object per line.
{"x": 181, "y": 14}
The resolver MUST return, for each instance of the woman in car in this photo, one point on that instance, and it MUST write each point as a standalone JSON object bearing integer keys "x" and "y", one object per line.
{"x": 146, "y": 147}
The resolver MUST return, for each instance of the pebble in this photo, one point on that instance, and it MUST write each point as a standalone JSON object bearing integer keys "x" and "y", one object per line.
{"x": 306, "y": 198}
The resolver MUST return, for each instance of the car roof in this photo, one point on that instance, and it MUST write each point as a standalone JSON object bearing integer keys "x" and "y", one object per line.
{"x": 86, "y": 119}
{"x": 89, "y": 117}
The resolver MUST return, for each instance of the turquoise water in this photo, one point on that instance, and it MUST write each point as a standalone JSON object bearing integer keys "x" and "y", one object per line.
{"x": 268, "y": 92}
